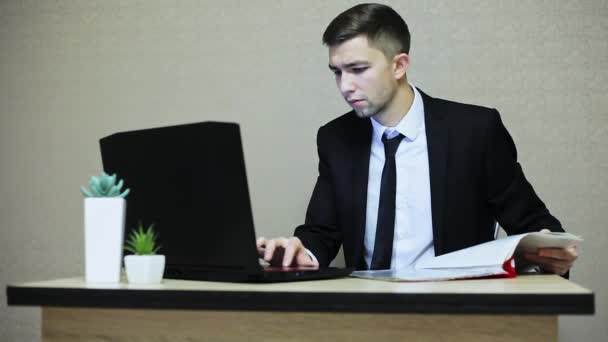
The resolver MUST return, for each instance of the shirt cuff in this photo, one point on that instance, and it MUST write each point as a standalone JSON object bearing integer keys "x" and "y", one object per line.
{"x": 312, "y": 256}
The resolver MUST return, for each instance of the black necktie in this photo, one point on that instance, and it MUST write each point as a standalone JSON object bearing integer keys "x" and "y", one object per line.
{"x": 385, "y": 227}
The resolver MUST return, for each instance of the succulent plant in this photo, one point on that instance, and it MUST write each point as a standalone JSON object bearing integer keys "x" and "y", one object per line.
{"x": 142, "y": 242}
{"x": 104, "y": 186}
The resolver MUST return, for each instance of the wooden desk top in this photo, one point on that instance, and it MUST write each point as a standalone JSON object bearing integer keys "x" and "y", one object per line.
{"x": 538, "y": 294}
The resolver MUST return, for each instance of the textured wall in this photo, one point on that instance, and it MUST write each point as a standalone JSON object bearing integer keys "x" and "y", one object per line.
{"x": 74, "y": 71}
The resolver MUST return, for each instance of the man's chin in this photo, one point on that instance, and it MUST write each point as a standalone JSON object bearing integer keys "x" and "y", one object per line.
{"x": 364, "y": 114}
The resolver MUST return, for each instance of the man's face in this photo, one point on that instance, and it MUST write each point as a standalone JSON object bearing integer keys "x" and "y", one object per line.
{"x": 363, "y": 75}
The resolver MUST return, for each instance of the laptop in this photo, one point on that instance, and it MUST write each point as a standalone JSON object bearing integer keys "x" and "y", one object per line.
{"x": 190, "y": 182}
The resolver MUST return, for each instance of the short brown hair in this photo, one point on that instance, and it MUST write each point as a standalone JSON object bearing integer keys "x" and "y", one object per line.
{"x": 382, "y": 26}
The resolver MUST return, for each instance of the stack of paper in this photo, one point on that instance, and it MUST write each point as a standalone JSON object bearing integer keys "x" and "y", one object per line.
{"x": 490, "y": 259}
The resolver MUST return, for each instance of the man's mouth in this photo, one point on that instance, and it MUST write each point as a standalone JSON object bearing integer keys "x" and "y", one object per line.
{"x": 356, "y": 102}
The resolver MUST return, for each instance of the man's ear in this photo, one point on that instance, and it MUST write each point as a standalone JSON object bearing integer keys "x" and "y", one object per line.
{"x": 401, "y": 62}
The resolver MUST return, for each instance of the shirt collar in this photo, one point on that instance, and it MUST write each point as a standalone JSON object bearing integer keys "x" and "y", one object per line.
{"x": 410, "y": 125}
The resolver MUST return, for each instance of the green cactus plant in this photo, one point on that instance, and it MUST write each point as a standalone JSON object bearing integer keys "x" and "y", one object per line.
{"x": 104, "y": 186}
{"x": 142, "y": 242}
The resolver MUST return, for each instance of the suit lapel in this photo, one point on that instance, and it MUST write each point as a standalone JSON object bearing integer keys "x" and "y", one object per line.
{"x": 437, "y": 143}
{"x": 362, "y": 139}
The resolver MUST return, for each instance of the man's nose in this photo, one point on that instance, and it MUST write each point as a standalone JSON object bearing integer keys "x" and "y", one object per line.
{"x": 347, "y": 85}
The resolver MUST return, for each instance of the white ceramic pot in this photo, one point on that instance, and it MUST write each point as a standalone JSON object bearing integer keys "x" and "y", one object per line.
{"x": 104, "y": 226}
{"x": 145, "y": 269}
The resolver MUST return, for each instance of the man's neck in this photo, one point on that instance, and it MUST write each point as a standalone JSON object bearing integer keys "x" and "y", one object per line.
{"x": 398, "y": 107}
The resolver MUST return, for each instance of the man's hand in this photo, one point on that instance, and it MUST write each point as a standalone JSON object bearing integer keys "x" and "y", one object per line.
{"x": 554, "y": 260}
{"x": 284, "y": 252}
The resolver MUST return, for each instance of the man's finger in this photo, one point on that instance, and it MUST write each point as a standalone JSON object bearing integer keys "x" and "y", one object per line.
{"x": 555, "y": 269}
{"x": 259, "y": 244}
{"x": 270, "y": 245}
{"x": 260, "y": 241}
{"x": 550, "y": 264}
{"x": 558, "y": 253}
{"x": 290, "y": 250}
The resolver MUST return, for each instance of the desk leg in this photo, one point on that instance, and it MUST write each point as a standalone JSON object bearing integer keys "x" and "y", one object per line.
{"x": 84, "y": 324}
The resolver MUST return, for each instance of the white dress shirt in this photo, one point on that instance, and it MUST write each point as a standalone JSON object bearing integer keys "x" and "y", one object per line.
{"x": 413, "y": 238}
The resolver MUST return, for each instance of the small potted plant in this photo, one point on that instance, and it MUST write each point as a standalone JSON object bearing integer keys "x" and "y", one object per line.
{"x": 104, "y": 221}
{"x": 144, "y": 266}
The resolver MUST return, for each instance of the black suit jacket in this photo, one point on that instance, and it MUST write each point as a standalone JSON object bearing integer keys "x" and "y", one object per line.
{"x": 474, "y": 176}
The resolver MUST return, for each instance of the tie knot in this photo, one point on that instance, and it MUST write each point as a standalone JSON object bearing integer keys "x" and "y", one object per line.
{"x": 391, "y": 145}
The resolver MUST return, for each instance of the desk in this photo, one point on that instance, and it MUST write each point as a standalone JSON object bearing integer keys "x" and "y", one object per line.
{"x": 350, "y": 309}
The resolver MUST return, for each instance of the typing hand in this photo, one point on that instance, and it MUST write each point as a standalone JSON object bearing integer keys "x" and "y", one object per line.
{"x": 284, "y": 252}
{"x": 554, "y": 260}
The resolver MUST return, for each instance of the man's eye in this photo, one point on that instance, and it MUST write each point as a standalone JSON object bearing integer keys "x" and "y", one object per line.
{"x": 359, "y": 70}
{"x": 337, "y": 72}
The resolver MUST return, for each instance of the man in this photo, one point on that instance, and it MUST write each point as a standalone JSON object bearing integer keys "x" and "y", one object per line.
{"x": 405, "y": 176}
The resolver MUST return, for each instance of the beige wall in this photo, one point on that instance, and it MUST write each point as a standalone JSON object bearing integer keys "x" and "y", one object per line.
{"x": 74, "y": 71}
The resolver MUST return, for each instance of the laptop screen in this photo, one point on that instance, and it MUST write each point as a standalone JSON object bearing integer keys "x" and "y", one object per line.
{"x": 190, "y": 182}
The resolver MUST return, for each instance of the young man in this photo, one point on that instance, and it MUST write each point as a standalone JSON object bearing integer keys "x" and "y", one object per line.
{"x": 405, "y": 176}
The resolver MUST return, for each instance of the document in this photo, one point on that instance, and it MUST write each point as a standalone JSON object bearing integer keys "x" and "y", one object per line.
{"x": 490, "y": 259}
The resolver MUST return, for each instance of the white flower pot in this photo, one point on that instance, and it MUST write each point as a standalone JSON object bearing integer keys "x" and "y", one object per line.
{"x": 104, "y": 226}
{"x": 145, "y": 269}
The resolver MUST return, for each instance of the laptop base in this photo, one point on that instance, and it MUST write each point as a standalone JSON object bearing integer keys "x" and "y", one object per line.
{"x": 260, "y": 276}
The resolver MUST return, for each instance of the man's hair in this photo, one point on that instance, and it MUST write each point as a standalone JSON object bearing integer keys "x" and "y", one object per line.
{"x": 383, "y": 27}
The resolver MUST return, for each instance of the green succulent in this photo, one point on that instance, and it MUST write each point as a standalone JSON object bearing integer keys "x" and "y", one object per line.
{"x": 104, "y": 186}
{"x": 142, "y": 242}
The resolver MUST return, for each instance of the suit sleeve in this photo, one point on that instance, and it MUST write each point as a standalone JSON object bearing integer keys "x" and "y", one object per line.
{"x": 320, "y": 232}
{"x": 514, "y": 202}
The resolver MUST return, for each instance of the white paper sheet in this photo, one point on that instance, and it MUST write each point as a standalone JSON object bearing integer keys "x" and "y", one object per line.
{"x": 495, "y": 253}
{"x": 413, "y": 274}
{"x": 533, "y": 241}
{"x": 483, "y": 260}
